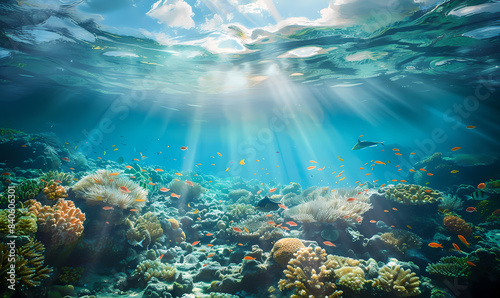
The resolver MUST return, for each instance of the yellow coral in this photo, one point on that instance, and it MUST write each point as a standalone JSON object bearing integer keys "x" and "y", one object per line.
{"x": 144, "y": 230}
{"x": 284, "y": 249}
{"x": 24, "y": 222}
{"x": 54, "y": 192}
{"x": 411, "y": 194}
{"x": 402, "y": 282}
{"x": 351, "y": 277}
{"x": 173, "y": 223}
{"x": 63, "y": 222}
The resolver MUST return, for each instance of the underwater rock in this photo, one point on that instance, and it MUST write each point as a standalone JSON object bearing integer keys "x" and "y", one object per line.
{"x": 156, "y": 290}
{"x": 208, "y": 273}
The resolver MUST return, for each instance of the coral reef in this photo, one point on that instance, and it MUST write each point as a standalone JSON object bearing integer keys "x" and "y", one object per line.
{"x": 309, "y": 274}
{"x": 70, "y": 275}
{"x": 411, "y": 194}
{"x": 187, "y": 192}
{"x": 104, "y": 188}
{"x": 63, "y": 222}
{"x": 65, "y": 178}
{"x": 294, "y": 188}
{"x": 458, "y": 226}
{"x": 284, "y": 249}
{"x": 29, "y": 265}
{"x": 26, "y": 190}
{"x": 395, "y": 279}
{"x": 148, "y": 269}
{"x": 331, "y": 207}
{"x": 145, "y": 230}
{"x": 401, "y": 240}
{"x": 25, "y": 222}
{"x": 54, "y": 192}
{"x": 240, "y": 211}
{"x": 347, "y": 272}
{"x": 450, "y": 266}
{"x": 450, "y": 203}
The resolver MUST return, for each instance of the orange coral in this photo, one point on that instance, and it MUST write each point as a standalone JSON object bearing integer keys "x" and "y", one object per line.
{"x": 457, "y": 225}
{"x": 284, "y": 249}
{"x": 63, "y": 222}
{"x": 174, "y": 223}
{"x": 54, "y": 192}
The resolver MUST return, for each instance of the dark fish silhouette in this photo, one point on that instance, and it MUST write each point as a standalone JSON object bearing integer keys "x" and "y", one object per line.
{"x": 266, "y": 204}
{"x": 364, "y": 144}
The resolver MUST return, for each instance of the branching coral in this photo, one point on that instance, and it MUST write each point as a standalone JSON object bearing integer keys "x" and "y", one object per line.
{"x": 144, "y": 230}
{"x": 103, "y": 188}
{"x": 450, "y": 266}
{"x": 24, "y": 222}
{"x": 411, "y": 194}
{"x": 457, "y": 225}
{"x": 309, "y": 274}
{"x": 29, "y": 268}
{"x": 401, "y": 240}
{"x": 65, "y": 178}
{"x": 148, "y": 269}
{"x": 332, "y": 207}
{"x": 63, "y": 222}
{"x": 395, "y": 279}
{"x": 54, "y": 192}
{"x": 347, "y": 272}
{"x": 284, "y": 249}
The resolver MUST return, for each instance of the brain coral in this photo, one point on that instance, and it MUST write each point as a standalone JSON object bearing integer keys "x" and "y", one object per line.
{"x": 457, "y": 225}
{"x": 411, "y": 194}
{"x": 63, "y": 222}
{"x": 102, "y": 187}
{"x": 284, "y": 249}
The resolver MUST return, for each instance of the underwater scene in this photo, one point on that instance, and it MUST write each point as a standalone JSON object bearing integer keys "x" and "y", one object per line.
{"x": 249, "y": 148}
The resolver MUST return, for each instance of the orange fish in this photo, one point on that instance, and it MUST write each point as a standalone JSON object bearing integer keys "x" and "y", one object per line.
{"x": 321, "y": 169}
{"x": 164, "y": 189}
{"x": 178, "y": 174}
{"x": 237, "y": 229}
{"x": 282, "y": 206}
{"x": 496, "y": 212}
{"x": 161, "y": 257}
{"x": 132, "y": 177}
{"x": 430, "y": 174}
{"x": 189, "y": 183}
{"x": 380, "y": 162}
{"x": 124, "y": 189}
{"x": 456, "y": 148}
{"x": 456, "y": 247}
{"x": 183, "y": 148}
{"x": 246, "y": 230}
{"x": 248, "y": 258}
{"x": 481, "y": 185}
{"x": 114, "y": 174}
{"x": 196, "y": 242}
{"x": 373, "y": 221}
{"x": 5, "y": 174}
{"x": 435, "y": 245}
{"x": 462, "y": 238}
{"x": 397, "y": 153}
{"x": 210, "y": 255}
{"x": 210, "y": 245}
{"x": 394, "y": 180}
{"x": 394, "y": 209}
{"x": 259, "y": 191}
{"x": 311, "y": 167}
{"x": 58, "y": 181}
{"x": 159, "y": 170}
{"x": 151, "y": 183}
{"x": 395, "y": 149}
{"x": 329, "y": 243}
{"x": 291, "y": 223}
{"x": 72, "y": 169}
{"x": 470, "y": 127}
{"x": 361, "y": 168}
{"x": 471, "y": 264}
{"x": 382, "y": 185}
{"x": 175, "y": 195}
{"x": 428, "y": 190}
{"x": 351, "y": 199}
{"x": 413, "y": 153}
{"x": 404, "y": 181}
{"x": 386, "y": 210}
{"x": 65, "y": 159}
{"x": 313, "y": 161}
{"x": 271, "y": 222}
{"x": 133, "y": 210}
{"x": 136, "y": 159}
{"x": 285, "y": 228}
{"x": 272, "y": 189}
{"x": 107, "y": 208}
{"x": 209, "y": 234}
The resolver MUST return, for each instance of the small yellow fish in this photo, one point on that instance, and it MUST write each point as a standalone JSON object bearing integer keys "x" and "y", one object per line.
{"x": 219, "y": 154}
{"x": 227, "y": 169}
{"x": 196, "y": 211}
{"x": 454, "y": 171}
{"x": 242, "y": 162}
{"x": 409, "y": 227}
{"x": 189, "y": 205}
{"x": 246, "y": 230}
{"x": 116, "y": 149}
{"x": 340, "y": 158}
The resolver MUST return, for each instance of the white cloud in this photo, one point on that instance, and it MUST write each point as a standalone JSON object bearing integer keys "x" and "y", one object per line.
{"x": 174, "y": 13}
{"x": 213, "y": 23}
{"x": 256, "y": 7}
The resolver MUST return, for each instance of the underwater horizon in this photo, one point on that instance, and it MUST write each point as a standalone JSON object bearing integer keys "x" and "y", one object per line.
{"x": 249, "y": 148}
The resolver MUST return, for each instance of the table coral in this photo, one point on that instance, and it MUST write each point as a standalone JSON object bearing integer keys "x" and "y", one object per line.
{"x": 63, "y": 222}
{"x": 457, "y": 225}
{"x": 102, "y": 188}
{"x": 148, "y": 269}
{"x": 401, "y": 240}
{"x": 310, "y": 276}
{"x": 54, "y": 192}
{"x": 29, "y": 265}
{"x": 411, "y": 194}
{"x": 145, "y": 230}
{"x": 395, "y": 279}
{"x": 284, "y": 249}
{"x": 25, "y": 222}
{"x": 450, "y": 266}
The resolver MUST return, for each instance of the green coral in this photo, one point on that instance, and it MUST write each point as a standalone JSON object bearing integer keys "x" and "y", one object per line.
{"x": 24, "y": 221}
{"x": 486, "y": 208}
{"x": 411, "y": 194}
{"x": 29, "y": 265}
{"x": 148, "y": 269}
{"x": 450, "y": 266}
{"x": 9, "y": 131}
{"x": 26, "y": 190}
{"x": 65, "y": 178}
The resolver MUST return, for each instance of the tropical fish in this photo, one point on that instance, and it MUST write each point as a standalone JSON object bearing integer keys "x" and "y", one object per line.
{"x": 164, "y": 189}
{"x": 196, "y": 211}
{"x": 454, "y": 171}
{"x": 107, "y": 208}
{"x": 272, "y": 189}
{"x": 128, "y": 167}
{"x": 140, "y": 200}
{"x": 114, "y": 174}
{"x": 174, "y": 195}
{"x": 462, "y": 238}
{"x": 189, "y": 183}
{"x": 471, "y": 264}
{"x": 291, "y": 223}
{"x": 313, "y": 161}
{"x": 456, "y": 148}
{"x": 341, "y": 158}
{"x": 151, "y": 183}
{"x": 481, "y": 185}
{"x": 124, "y": 189}
{"x": 246, "y": 230}
{"x": 373, "y": 221}
{"x": 456, "y": 247}
{"x": 351, "y": 199}
{"x": 311, "y": 167}
{"x": 496, "y": 212}
{"x": 237, "y": 229}
{"x": 196, "y": 242}
{"x": 248, "y": 258}
{"x": 140, "y": 242}
{"x": 470, "y": 127}
{"x": 435, "y": 245}
{"x": 365, "y": 144}
{"x": 397, "y": 153}
{"x": 65, "y": 159}
{"x": 159, "y": 170}
{"x": 430, "y": 174}
{"x": 136, "y": 159}
{"x": 412, "y": 170}
{"x": 271, "y": 222}
{"x": 470, "y": 209}
{"x": 242, "y": 162}
{"x": 386, "y": 210}
{"x": 210, "y": 255}
{"x": 380, "y": 162}
{"x": 183, "y": 148}
{"x": 209, "y": 234}
{"x": 282, "y": 206}
{"x": 395, "y": 209}
{"x": 134, "y": 210}
{"x": 329, "y": 243}
{"x": 210, "y": 245}
{"x": 409, "y": 227}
